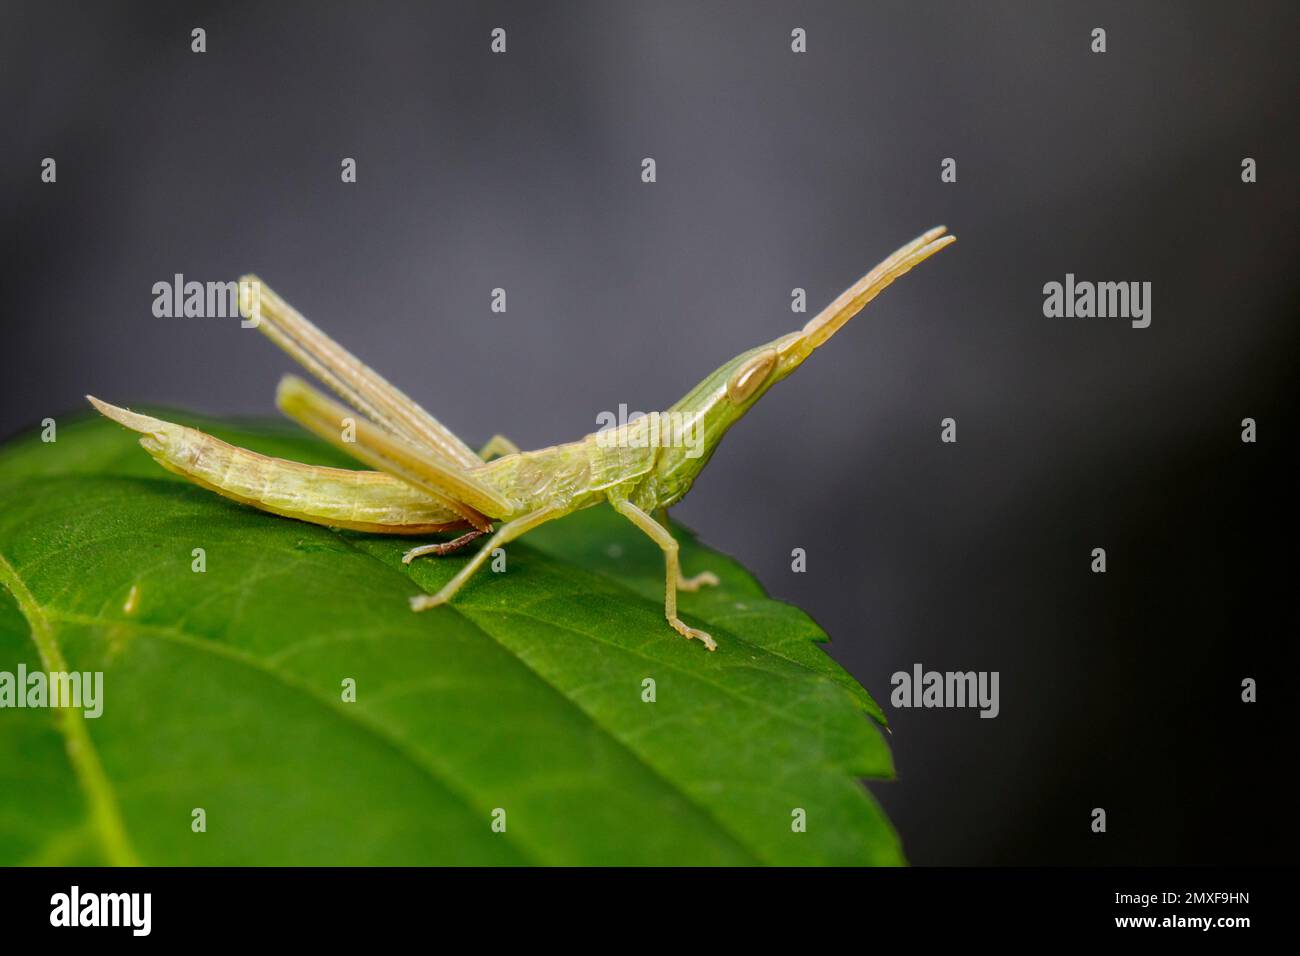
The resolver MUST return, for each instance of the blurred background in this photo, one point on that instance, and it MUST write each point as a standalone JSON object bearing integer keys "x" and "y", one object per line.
{"x": 775, "y": 170}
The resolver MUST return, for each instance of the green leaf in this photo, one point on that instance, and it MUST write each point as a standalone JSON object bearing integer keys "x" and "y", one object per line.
{"x": 223, "y": 689}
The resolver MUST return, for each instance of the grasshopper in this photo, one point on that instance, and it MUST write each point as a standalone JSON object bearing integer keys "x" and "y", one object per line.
{"x": 426, "y": 480}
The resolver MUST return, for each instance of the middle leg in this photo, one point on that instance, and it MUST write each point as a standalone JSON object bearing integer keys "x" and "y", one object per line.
{"x": 441, "y": 548}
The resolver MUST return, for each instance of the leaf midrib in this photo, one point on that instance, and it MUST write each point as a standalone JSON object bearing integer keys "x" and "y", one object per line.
{"x": 82, "y": 755}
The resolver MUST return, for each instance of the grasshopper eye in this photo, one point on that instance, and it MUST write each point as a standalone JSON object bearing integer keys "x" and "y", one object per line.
{"x": 746, "y": 379}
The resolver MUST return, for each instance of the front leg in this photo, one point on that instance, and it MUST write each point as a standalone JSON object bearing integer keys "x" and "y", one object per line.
{"x": 693, "y": 583}
{"x": 668, "y": 544}
{"x": 498, "y": 445}
{"x": 704, "y": 578}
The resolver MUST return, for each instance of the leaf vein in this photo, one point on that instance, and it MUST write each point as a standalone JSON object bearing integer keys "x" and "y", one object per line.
{"x": 82, "y": 755}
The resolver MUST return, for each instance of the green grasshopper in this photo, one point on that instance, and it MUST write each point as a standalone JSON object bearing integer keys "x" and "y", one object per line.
{"x": 427, "y": 480}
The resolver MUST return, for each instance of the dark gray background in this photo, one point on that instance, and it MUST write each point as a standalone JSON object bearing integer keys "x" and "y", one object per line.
{"x": 775, "y": 170}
